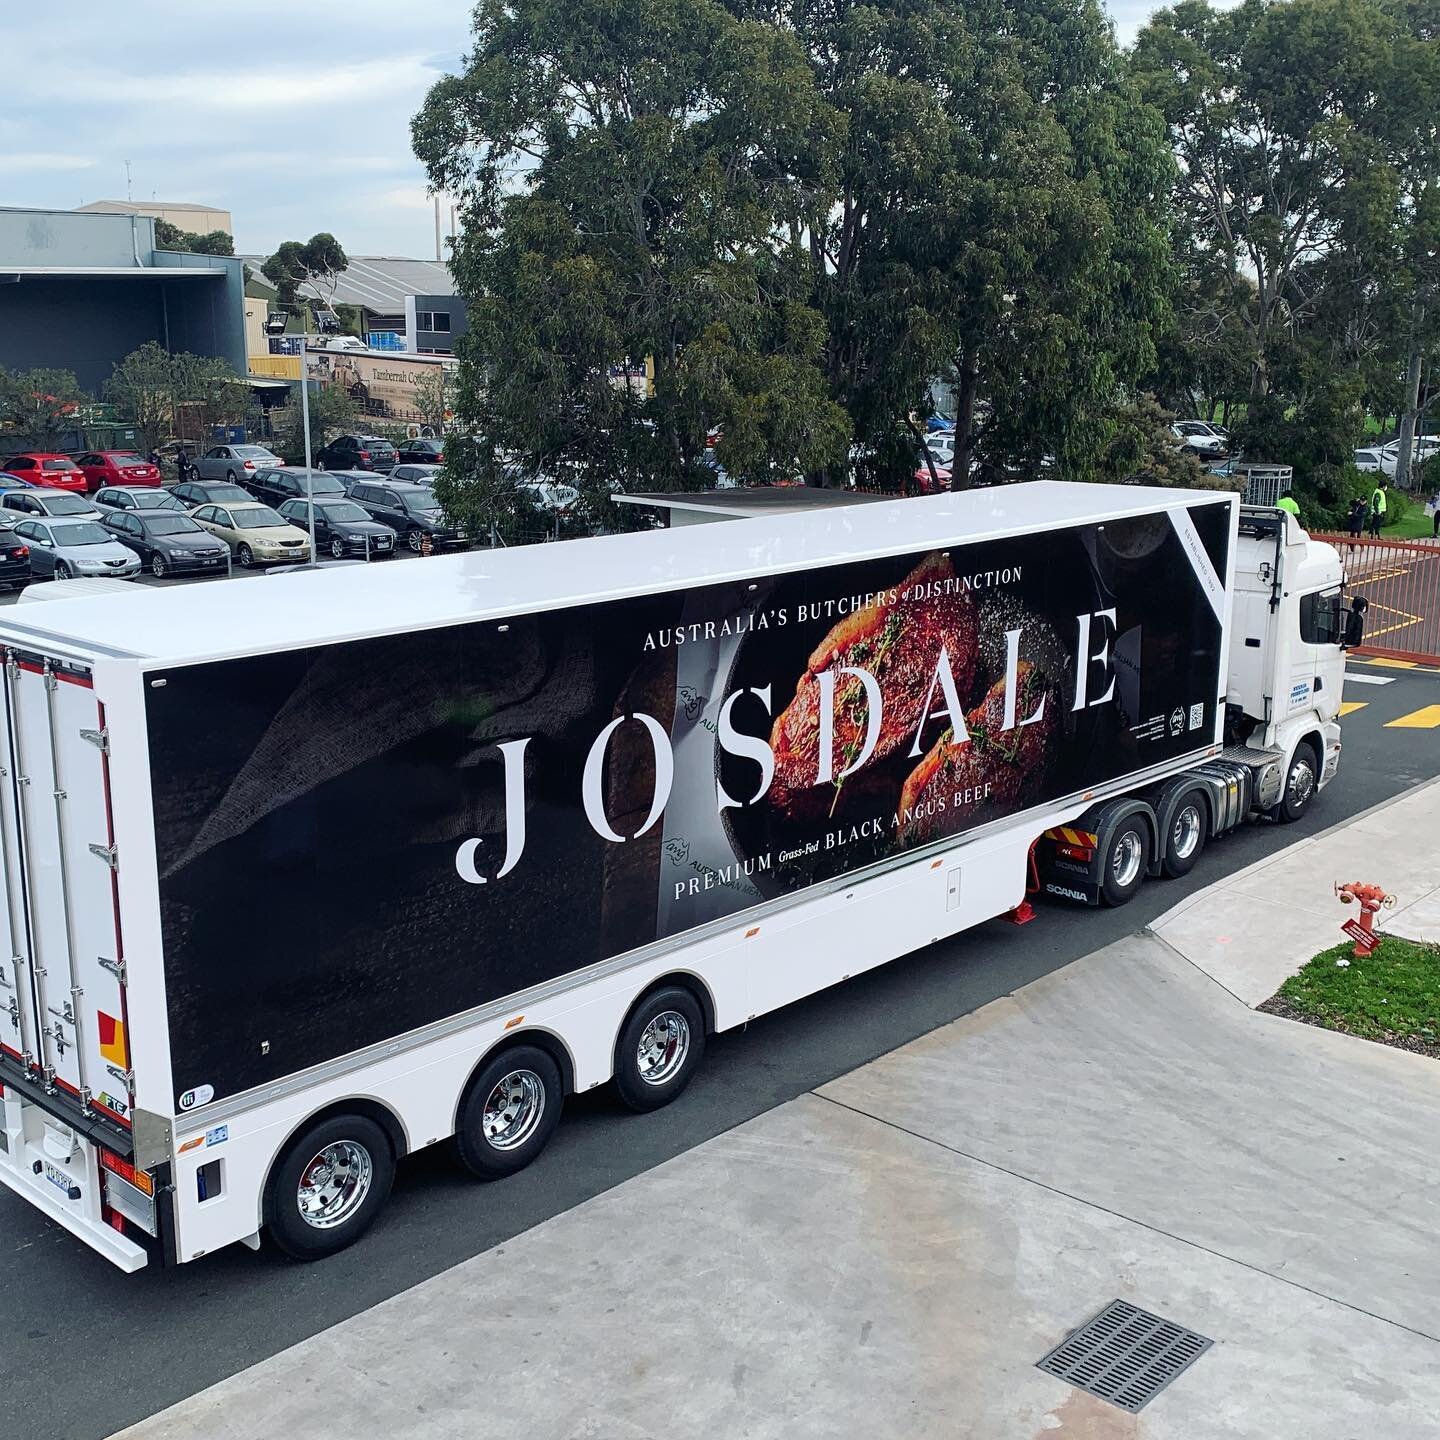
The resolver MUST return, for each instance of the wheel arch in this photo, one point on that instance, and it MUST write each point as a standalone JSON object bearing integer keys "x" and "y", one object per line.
{"x": 364, "y": 1105}
{"x": 538, "y": 1036}
{"x": 686, "y": 980}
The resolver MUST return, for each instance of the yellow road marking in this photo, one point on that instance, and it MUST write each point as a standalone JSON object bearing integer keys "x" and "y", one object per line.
{"x": 1426, "y": 718}
{"x": 1349, "y": 707}
{"x": 1395, "y": 664}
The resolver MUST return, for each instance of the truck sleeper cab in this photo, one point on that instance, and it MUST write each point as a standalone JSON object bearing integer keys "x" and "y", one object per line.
{"x": 618, "y": 803}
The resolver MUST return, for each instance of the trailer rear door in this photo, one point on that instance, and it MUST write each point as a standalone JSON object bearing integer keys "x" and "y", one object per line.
{"x": 63, "y": 988}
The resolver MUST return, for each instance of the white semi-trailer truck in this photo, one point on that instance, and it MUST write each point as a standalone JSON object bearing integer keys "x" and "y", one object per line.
{"x": 301, "y": 877}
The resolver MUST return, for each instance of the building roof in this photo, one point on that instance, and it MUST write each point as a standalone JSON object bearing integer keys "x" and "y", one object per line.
{"x": 378, "y": 283}
{"x": 147, "y": 207}
{"x": 233, "y": 618}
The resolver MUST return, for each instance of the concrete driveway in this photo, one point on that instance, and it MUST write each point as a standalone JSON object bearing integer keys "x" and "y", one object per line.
{"x": 890, "y": 1255}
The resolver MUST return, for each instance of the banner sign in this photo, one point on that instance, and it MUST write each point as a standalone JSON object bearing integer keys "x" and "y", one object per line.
{"x": 357, "y": 840}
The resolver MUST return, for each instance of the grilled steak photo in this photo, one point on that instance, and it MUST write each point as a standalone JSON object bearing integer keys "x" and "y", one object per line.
{"x": 897, "y": 638}
{"x": 996, "y": 771}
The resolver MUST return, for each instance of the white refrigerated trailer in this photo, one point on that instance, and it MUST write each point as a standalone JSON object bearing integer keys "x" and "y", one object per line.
{"x": 295, "y": 884}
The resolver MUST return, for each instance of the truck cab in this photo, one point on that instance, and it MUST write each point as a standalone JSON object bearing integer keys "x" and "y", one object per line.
{"x": 1287, "y": 657}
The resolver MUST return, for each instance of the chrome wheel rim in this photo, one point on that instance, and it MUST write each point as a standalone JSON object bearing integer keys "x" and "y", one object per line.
{"x": 157, "y": 568}
{"x": 513, "y": 1109}
{"x": 416, "y": 540}
{"x": 1125, "y": 860}
{"x": 1301, "y": 784}
{"x": 1185, "y": 834}
{"x": 337, "y": 548}
{"x": 664, "y": 1047}
{"x": 334, "y": 1184}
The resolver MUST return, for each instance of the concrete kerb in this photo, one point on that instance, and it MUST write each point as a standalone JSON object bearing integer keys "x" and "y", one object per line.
{"x": 1249, "y": 941}
{"x": 1254, "y": 869}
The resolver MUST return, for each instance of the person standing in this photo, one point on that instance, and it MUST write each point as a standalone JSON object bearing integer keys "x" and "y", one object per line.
{"x": 1356, "y": 519}
{"x": 1377, "y": 509}
{"x": 1289, "y": 504}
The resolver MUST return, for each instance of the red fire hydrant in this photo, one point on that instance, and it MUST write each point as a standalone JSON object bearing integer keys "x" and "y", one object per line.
{"x": 1370, "y": 899}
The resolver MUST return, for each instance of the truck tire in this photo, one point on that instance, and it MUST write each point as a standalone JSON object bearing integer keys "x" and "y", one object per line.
{"x": 1300, "y": 783}
{"x": 1186, "y": 835}
{"x": 509, "y": 1112}
{"x": 328, "y": 1186}
{"x": 1127, "y": 858}
{"x": 659, "y": 1049}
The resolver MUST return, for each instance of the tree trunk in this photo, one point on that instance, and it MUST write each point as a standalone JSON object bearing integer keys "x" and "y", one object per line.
{"x": 1412, "y": 402}
{"x": 965, "y": 419}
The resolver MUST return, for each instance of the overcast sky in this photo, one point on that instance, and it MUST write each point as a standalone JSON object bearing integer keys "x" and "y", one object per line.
{"x": 190, "y": 95}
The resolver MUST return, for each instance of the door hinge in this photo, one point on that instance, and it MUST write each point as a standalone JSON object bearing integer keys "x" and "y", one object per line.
{"x": 100, "y": 739}
{"x": 108, "y": 853}
{"x": 115, "y": 967}
{"x": 125, "y": 1077}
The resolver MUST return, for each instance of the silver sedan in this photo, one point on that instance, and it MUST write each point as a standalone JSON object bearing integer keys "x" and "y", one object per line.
{"x": 65, "y": 548}
{"x": 235, "y": 463}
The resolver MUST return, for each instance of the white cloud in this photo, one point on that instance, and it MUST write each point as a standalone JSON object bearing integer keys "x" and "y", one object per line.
{"x": 191, "y": 96}
{"x": 19, "y": 163}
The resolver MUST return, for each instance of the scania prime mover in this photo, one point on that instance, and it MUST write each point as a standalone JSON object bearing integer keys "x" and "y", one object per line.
{"x": 300, "y": 878}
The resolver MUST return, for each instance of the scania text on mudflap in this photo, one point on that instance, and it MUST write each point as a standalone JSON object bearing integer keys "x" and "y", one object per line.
{"x": 297, "y": 884}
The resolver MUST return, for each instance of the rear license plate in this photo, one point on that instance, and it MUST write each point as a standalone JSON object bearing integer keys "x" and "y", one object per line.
{"x": 58, "y": 1178}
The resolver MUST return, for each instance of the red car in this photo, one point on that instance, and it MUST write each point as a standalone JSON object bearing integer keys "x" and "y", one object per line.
{"x": 938, "y": 485}
{"x": 59, "y": 472}
{"x": 117, "y": 467}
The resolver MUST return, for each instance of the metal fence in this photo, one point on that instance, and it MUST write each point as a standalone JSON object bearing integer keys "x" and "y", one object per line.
{"x": 1401, "y": 580}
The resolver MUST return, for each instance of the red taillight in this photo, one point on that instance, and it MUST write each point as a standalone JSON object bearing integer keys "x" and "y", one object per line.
{"x": 126, "y": 1171}
{"x": 1075, "y": 852}
{"x": 23, "y": 553}
{"x": 364, "y": 454}
{"x": 249, "y": 464}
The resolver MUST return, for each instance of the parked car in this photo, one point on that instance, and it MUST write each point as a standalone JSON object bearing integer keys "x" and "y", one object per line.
{"x": 43, "y": 502}
{"x": 167, "y": 543}
{"x": 1424, "y": 448}
{"x": 63, "y": 548}
{"x": 416, "y": 474}
{"x": 1197, "y": 436}
{"x": 342, "y": 528}
{"x": 232, "y": 462}
{"x": 351, "y": 478}
{"x": 14, "y": 559}
{"x": 117, "y": 467}
{"x": 131, "y": 497}
{"x": 421, "y": 452}
{"x": 274, "y": 487}
{"x": 410, "y": 510}
{"x": 942, "y": 446}
{"x": 59, "y": 472}
{"x": 209, "y": 492}
{"x": 1374, "y": 460}
{"x": 553, "y": 496}
{"x": 932, "y": 485}
{"x": 255, "y": 534}
{"x": 13, "y": 482}
{"x": 358, "y": 452}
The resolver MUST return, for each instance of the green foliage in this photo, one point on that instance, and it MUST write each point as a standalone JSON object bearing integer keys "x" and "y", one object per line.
{"x": 657, "y": 145}
{"x": 318, "y": 263}
{"x": 331, "y": 411}
{"x": 1394, "y": 993}
{"x": 40, "y": 404}
{"x": 1143, "y": 450}
{"x": 172, "y": 237}
{"x": 436, "y": 392}
{"x": 150, "y": 386}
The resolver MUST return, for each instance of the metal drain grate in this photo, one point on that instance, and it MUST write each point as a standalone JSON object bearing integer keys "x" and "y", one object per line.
{"x": 1125, "y": 1355}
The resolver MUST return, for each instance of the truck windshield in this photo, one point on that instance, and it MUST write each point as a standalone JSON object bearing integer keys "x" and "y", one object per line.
{"x": 1321, "y": 621}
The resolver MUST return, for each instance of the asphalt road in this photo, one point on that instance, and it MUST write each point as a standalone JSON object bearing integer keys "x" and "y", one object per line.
{"x": 85, "y": 1350}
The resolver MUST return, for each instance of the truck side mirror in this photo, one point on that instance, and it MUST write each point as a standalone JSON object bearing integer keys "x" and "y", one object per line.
{"x": 1355, "y": 623}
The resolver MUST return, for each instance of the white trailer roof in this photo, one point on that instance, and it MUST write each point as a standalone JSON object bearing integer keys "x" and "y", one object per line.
{"x": 227, "y": 618}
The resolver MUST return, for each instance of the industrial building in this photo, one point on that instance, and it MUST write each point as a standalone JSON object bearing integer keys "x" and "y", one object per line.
{"x": 80, "y": 290}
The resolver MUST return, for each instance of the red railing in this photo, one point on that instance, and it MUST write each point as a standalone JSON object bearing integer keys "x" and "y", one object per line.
{"x": 1401, "y": 580}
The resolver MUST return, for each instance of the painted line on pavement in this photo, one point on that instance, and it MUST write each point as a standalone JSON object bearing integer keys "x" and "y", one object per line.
{"x": 1426, "y": 718}
{"x": 1368, "y": 679}
{"x": 1349, "y": 707}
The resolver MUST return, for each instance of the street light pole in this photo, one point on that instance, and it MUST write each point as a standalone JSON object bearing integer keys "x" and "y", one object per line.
{"x": 305, "y": 425}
